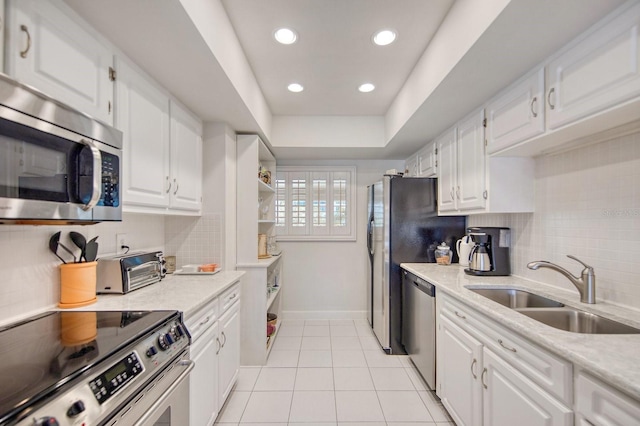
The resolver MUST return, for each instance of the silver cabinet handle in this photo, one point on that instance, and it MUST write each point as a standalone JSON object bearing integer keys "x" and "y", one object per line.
{"x": 551, "y": 92}
{"x": 460, "y": 316}
{"x": 233, "y": 296}
{"x": 219, "y": 346}
{"x": 458, "y": 192}
{"x": 484, "y": 373}
{"x": 451, "y": 193}
{"x": 23, "y": 53}
{"x": 533, "y": 102}
{"x": 206, "y": 320}
{"x": 177, "y": 186}
{"x": 225, "y": 339}
{"x": 505, "y": 346}
{"x": 97, "y": 174}
{"x": 473, "y": 364}
{"x": 169, "y": 187}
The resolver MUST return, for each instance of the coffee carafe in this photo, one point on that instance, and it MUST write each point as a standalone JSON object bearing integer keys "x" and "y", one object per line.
{"x": 490, "y": 254}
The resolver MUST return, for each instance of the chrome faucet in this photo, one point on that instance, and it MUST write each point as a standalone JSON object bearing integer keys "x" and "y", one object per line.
{"x": 586, "y": 283}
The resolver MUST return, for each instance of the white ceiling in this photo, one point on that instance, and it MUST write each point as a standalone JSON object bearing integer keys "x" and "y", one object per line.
{"x": 334, "y": 53}
{"x": 174, "y": 42}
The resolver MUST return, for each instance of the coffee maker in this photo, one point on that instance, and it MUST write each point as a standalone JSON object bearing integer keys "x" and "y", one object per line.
{"x": 490, "y": 255}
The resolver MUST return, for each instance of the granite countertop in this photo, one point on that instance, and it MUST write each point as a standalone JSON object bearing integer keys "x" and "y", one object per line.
{"x": 185, "y": 293}
{"x": 612, "y": 358}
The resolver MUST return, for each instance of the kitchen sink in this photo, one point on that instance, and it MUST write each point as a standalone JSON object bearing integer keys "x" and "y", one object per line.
{"x": 513, "y": 298}
{"x": 577, "y": 321}
{"x": 553, "y": 313}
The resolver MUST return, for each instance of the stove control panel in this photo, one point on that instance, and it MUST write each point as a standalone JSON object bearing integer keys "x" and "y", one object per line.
{"x": 116, "y": 377}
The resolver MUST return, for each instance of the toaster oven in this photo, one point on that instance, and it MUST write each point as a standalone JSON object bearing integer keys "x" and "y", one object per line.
{"x": 125, "y": 273}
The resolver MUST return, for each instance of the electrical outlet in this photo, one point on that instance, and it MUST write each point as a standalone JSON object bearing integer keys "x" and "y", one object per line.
{"x": 121, "y": 240}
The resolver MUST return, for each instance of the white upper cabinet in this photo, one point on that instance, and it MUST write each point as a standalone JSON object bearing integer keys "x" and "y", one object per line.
{"x": 411, "y": 166}
{"x": 162, "y": 146}
{"x": 53, "y": 51}
{"x": 471, "y": 186}
{"x": 427, "y": 163}
{"x": 143, "y": 117}
{"x": 447, "y": 158}
{"x": 517, "y": 113}
{"x": 186, "y": 159}
{"x": 596, "y": 72}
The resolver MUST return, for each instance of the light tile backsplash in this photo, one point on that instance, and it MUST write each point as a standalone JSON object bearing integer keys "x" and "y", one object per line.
{"x": 30, "y": 278}
{"x": 194, "y": 240}
{"x": 588, "y": 205}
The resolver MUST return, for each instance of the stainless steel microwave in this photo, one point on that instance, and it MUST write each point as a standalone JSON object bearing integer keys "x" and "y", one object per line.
{"x": 57, "y": 164}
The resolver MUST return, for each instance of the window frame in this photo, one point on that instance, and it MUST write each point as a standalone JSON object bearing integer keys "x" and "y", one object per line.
{"x": 314, "y": 175}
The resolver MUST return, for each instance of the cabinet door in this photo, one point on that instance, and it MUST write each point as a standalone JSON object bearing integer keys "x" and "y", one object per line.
{"x": 517, "y": 114}
{"x": 186, "y": 159}
{"x": 600, "y": 405}
{"x": 59, "y": 56}
{"x": 597, "y": 72}
{"x": 446, "y": 146}
{"x": 411, "y": 166}
{"x": 427, "y": 160}
{"x": 229, "y": 356}
{"x": 459, "y": 371}
{"x": 510, "y": 398}
{"x": 471, "y": 179}
{"x": 143, "y": 117}
{"x": 203, "y": 400}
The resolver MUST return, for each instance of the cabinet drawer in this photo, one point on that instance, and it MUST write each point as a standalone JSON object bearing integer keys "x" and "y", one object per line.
{"x": 549, "y": 371}
{"x": 229, "y": 297}
{"x": 600, "y": 404}
{"x": 204, "y": 318}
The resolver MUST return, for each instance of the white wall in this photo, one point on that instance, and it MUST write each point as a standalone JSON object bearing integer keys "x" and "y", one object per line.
{"x": 588, "y": 205}
{"x": 327, "y": 279}
{"x": 30, "y": 280}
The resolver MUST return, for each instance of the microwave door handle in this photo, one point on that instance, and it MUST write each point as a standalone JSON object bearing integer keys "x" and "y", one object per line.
{"x": 97, "y": 174}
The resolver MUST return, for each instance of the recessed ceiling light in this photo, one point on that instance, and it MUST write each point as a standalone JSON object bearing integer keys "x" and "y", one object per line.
{"x": 295, "y": 87}
{"x": 384, "y": 37}
{"x": 285, "y": 36}
{"x": 366, "y": 87}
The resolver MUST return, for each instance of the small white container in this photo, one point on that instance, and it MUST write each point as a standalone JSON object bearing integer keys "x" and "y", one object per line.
{"x": 190, "y": 268}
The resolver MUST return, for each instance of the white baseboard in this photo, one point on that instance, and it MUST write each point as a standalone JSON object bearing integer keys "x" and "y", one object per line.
{"x": 314, "y": 315}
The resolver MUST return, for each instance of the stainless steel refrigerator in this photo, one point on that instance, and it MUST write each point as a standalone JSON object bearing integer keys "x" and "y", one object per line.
{"x": 402, "y": 226}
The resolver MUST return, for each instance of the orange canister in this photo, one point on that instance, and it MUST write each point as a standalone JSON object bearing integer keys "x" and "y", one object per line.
{"x": 77, "y": 284}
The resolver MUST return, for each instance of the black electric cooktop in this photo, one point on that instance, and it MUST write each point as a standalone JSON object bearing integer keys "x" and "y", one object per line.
{"x": 40, "y": 355}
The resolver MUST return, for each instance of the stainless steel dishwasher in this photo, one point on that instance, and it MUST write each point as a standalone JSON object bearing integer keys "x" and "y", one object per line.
{"x": 419, "y": 325}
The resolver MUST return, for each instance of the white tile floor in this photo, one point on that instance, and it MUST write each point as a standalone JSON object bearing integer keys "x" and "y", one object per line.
{"x": 331, "y": 372}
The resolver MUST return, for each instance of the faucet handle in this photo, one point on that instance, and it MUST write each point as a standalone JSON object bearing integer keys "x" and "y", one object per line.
{"x": 590, "y": 268}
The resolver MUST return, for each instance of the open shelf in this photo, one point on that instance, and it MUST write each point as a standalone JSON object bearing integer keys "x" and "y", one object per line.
{"x": 272, "y": 297}
{"x": 272, "y": 338}
{"x": 263, "y": 187}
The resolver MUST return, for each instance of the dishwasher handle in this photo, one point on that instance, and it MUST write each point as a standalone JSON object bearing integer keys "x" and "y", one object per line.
{"x": 422, "y": 285}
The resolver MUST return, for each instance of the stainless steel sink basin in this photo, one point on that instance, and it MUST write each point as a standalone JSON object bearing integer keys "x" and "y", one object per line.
{"x": 577, "y": 321}
{"x": 553, "y": 313}
{"x": 513, "y": 298}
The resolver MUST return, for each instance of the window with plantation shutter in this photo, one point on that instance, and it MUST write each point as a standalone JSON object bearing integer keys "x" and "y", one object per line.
{"x": 315, "y": 203}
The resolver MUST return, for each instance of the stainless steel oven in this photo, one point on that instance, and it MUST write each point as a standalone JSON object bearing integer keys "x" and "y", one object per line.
{"x": 56, "y": 163}
{"x": 96, "y": 368}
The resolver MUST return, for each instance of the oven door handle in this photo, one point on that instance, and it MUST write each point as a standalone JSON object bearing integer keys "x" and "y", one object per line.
{"x": 97, "y": 174}
{"x": 167, "y": 394}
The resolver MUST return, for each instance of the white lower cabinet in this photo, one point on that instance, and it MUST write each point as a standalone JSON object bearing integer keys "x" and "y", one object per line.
{"x": 460, "y": 366}
{"x": 229, "y": 354}
{"x": 489, "y": 376}
{"x": 509, "y": 398}
{"x": 215, "y": 348}
{"x": 203, "y": 400}
{"x": 599, "y": 404}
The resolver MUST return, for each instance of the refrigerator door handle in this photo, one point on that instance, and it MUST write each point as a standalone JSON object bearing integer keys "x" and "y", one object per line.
{"x": 370, "y": 236}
